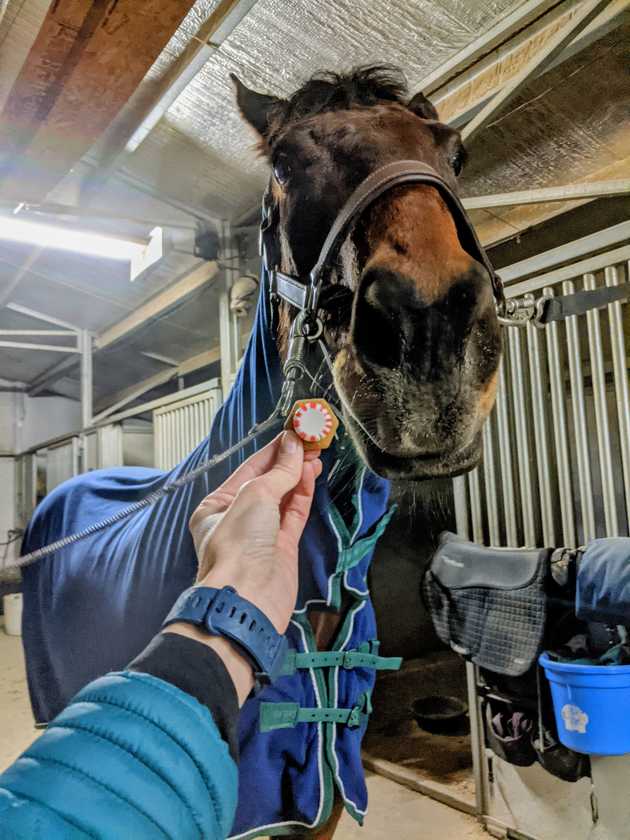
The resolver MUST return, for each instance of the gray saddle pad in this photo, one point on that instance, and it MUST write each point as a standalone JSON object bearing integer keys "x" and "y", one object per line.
{"x": 488, "y": 604}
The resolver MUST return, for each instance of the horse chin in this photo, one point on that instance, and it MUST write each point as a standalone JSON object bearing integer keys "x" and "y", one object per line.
{"x": 447, "y": 464}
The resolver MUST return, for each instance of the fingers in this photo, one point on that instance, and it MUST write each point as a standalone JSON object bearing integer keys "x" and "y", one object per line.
{"x": 257, "y": 464}
{"x": 273, "y": 456}
{"x": 297, "y": 505}
{"x": 286, "y": 471}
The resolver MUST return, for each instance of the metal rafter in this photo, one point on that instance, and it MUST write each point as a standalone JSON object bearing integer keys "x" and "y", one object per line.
{"x": 590, "y": 189}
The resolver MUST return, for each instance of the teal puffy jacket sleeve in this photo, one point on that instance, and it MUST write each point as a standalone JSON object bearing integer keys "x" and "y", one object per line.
{"x": 132, "y": 756}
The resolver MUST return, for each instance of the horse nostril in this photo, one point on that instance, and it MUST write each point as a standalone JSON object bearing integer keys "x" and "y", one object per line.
{"x": 394, "y": 324}
{"x": 378, "y": 332}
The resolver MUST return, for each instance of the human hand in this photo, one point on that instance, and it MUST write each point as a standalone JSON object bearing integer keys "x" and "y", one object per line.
{"x": 246, "y": 533}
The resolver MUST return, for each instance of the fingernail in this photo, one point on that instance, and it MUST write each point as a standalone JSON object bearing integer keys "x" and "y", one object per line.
{"x": 289, "y": 443}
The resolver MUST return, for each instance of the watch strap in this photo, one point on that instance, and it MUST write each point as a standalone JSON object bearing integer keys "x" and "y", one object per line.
{"x": 222, "y": 612}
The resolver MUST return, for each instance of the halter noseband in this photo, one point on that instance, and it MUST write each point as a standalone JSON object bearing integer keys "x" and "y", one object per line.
{"x": 304, "y": 292}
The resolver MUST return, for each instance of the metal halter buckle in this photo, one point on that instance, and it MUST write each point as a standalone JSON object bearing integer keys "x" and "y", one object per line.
{"x": 518, "y": 312}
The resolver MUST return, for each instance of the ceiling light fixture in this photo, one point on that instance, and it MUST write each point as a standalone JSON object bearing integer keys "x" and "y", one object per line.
{"x": 67, "y": 239}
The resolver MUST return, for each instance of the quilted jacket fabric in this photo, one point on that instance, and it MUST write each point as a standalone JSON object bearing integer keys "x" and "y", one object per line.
{"x": 131, "y": 756}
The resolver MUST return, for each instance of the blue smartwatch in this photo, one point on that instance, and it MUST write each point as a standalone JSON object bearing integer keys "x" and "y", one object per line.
{"x": 222, "y": 612}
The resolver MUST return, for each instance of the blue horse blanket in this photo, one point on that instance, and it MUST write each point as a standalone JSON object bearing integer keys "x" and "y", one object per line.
{"x": 93, "y": 606}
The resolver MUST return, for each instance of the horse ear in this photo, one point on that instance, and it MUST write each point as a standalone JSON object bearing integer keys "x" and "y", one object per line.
{"x": 421, "y": 107}
{"x": 255, "y": 107}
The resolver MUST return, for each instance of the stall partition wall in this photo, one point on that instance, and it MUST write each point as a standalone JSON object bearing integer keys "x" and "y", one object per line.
{"x": 556, "y": 472}
{"x": 180, "y": 426}
{"x": 556, "y": 467}
{"x": 156, "y": 434}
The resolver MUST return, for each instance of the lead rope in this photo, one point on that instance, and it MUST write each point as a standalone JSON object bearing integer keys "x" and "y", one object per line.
{"x": 150, "y": 499}
{"x": 294, "y": 369}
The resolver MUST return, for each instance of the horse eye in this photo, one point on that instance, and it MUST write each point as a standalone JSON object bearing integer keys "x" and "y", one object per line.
{"x": 457, "y": 161}
{"x": 282, "y": 170}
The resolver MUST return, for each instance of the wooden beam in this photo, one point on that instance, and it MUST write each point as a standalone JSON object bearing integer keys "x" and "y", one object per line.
{"x": 587, "y": 11}
{"x": 503, "y": 29}
{"x": 88, "y": 58}
{"x": 141, "y": 117}
{"x": 460, "y": 98}
{"x": 158, "y": 305}
{"x": 127, "y": 395}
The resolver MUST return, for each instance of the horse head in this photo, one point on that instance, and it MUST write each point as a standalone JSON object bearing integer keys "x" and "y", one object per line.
{"x": 409, "y": 314}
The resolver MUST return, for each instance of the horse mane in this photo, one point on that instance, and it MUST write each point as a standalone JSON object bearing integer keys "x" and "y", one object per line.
{"x": 328, "y": 91}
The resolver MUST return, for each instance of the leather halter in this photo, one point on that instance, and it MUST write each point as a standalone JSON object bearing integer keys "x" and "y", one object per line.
{"x": 303, "y": 292}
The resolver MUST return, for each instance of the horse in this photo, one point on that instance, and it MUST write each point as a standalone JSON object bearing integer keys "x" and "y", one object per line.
{"x": 407, "y": 310}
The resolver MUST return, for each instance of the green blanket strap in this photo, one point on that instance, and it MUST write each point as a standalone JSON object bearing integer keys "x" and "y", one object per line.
{"x": 288, "y": 715}
{"x": 347, "y": 659}
{"x": 350, "y": 555}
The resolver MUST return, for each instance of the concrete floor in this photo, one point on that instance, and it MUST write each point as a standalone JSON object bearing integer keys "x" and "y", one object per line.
{"x": 395, "y": 811}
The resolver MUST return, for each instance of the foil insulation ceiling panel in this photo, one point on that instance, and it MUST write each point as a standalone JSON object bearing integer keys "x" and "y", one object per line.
{"x": 570, "y": 125}
{"x": 275, "y": 48}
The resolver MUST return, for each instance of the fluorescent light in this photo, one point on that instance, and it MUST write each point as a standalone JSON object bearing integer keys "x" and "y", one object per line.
{"x": 79, "y": 241}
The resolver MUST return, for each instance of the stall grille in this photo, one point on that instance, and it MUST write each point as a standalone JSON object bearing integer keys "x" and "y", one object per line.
{"x": 179, "y": 427}
{"x": 556, "y": 465}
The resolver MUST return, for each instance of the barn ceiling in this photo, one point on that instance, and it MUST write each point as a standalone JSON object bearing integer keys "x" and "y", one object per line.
{"x": 570, "y": 124}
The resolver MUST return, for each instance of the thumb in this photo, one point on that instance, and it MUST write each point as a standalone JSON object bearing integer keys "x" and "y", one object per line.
{"x": 286, "y": 471}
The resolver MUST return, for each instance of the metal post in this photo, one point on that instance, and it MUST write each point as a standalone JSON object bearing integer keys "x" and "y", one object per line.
{"x": 490, "y": 482}
{"x": 475, "y": 505}
{"x": 601, "y": 415}
{"x": 620, "y": 369}
{"x": 558, "y": 413}
{"x": 460, "y": 499}
{"x": 505, "y": 448}
{"x": 582, "y": 442}
{"x": 522, "y": 439}
{"x": 84, "y": 340}
{"x": 477, "y": 741}
{"x": 539, "y": 402}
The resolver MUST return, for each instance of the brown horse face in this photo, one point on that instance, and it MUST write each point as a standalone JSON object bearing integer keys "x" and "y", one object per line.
{"x": 409, "y": 314}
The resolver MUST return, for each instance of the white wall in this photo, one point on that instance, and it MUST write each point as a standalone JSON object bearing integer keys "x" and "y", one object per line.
{"x": 8, "y": 426}
{"x": 7, "y": 505}
{"x": 46, "y": 418}
{"x": 27, "y": 421}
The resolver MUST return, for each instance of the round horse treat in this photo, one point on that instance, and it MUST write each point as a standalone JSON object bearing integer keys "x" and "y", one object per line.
{"x": 314, "y": 422}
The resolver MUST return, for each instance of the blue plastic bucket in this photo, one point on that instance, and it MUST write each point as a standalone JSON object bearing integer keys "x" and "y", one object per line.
{"x": 591, "y": 705}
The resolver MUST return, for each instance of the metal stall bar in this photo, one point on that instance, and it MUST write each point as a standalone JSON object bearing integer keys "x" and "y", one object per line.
{"x": 539, "y": 402}
{"x": 490, "y": 483}
{"x": 460, "y": 500}
{"x": 576, "y": 376}
{"x": 620, "y": 371}
{"x": 601, "y": 414}
{"x": 505, "y": 448}
{"x": 522, "y": 438}
{"x": 476, "y": 511}
{"x": 556, "y": 378}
